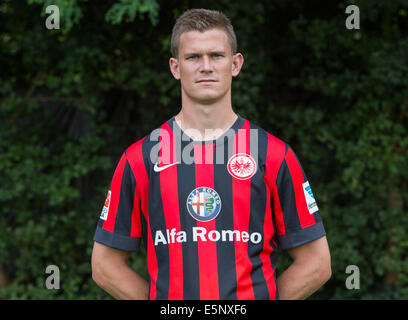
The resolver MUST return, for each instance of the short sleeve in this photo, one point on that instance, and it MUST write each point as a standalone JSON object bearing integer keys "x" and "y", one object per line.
{"x": 119, "y": 225}
{"x": 295, "y": 209}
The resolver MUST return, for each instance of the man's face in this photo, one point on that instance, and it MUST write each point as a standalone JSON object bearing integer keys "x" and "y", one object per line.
{"x": 205, "y": 65}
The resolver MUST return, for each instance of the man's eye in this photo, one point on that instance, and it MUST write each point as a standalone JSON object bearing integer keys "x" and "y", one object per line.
{"x": 192, "y": 57}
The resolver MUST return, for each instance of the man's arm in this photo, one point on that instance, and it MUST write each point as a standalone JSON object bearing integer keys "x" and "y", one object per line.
{"x": 111, "y": 272}
{"x": 310, "y": 269}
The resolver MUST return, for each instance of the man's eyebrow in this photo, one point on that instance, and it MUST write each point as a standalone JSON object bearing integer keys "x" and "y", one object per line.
{"x": 218, "y": 52}
{"x": 191, "y": 54}
{"x": 200, "y": 54}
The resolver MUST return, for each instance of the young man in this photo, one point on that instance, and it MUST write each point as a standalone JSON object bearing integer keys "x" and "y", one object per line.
{"x": 213, "y": 196}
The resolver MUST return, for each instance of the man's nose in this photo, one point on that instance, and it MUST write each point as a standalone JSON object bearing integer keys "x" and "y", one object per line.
{"x": 206, "y": 64}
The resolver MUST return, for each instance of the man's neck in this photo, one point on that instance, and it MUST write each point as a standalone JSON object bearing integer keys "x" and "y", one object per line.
{"x": 206, "y": 122}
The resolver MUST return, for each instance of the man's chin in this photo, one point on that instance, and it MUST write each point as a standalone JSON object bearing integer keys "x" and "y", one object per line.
{"x": 207, "y": 99}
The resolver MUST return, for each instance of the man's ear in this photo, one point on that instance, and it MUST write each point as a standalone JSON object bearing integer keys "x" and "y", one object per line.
{"x": 174, "y": 68}
{"x": 237, "y": 62}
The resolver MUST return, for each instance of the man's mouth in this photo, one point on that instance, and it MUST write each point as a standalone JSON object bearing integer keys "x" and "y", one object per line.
{"x": 206, "y": 81}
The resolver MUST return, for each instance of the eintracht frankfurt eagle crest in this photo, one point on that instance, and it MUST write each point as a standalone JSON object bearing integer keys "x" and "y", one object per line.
{"x": 241, "y": 166}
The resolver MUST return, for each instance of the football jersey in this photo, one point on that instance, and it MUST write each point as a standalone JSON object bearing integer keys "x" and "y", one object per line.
{"x": 212, "y": 214}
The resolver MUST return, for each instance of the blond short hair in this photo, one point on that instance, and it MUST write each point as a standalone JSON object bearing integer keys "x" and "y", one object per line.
{"x": 202, "y": 20}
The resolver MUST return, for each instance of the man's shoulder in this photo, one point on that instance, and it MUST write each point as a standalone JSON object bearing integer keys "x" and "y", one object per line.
{"x": 274, "y": 149}
{"x": 142, "y": 145}
{"x": 268, "y": 136}
{"x": 134, "y": 147}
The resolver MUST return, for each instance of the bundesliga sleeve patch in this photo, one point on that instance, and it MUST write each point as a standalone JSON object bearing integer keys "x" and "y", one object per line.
{"x": 310, "y": 199}
{"x": 105, "y": 210}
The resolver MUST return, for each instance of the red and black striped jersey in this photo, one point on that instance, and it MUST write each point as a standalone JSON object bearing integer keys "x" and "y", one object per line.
{"x": 212, "y": 214}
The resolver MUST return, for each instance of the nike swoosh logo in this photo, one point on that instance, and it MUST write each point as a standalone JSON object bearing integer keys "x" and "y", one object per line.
{"x": 156, "y": 167}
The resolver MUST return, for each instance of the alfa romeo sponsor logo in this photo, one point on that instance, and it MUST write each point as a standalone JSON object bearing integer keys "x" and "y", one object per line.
{"x": 204, "y": 204}
{"x": 241, "y": 166}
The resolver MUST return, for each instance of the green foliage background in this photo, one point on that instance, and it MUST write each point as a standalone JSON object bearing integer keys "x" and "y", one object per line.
{"x": 71, "y": 100}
